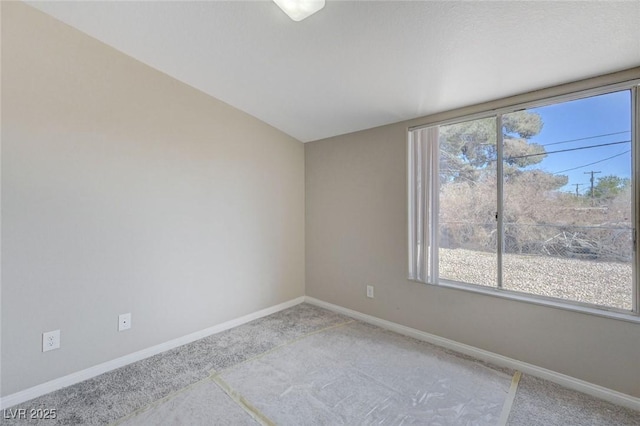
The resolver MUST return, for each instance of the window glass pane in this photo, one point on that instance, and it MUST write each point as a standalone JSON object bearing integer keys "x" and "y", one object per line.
{"x": 567, "y": 201}
{"x": 468, "y": 202}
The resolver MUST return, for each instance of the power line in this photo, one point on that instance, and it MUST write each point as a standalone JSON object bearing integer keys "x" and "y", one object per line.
{"x": 560, "y": 142}
{"x": 567, "y": 150}
{"x": 564, "y": 150}
{"x": 591, "y": 164}
{"x": 585, "y": 138}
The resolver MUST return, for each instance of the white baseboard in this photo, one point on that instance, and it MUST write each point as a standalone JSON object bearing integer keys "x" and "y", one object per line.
{"x": 79, "y": 376}
{"x": 597, "y": 391}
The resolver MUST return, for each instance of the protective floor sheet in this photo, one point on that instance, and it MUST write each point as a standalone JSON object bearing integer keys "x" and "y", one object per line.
{"x": 201, "y": 404}
{"x": 359, "y": 374}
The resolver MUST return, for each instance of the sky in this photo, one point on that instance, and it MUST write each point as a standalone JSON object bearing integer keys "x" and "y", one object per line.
{"x": 591, "y": 118}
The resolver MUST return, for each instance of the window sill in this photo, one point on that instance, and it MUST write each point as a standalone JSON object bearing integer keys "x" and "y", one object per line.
{"x": 549, "y": 302}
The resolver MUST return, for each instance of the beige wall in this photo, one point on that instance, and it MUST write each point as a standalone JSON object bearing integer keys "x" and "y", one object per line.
{"x": 356, "y": 234}
{"x": 124, "y": 190}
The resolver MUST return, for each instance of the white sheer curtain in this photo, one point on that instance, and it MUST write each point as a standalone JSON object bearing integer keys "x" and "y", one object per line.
{"x": 423, "y": 204}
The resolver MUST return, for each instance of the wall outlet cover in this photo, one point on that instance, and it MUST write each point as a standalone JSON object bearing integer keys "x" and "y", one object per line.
{"x": 370, "y": 291}
{"x": 50, "y": 340}
{"x": 124, "y": 322}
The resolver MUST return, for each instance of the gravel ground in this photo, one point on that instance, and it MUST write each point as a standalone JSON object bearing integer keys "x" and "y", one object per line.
{"x": 601, "y": 283}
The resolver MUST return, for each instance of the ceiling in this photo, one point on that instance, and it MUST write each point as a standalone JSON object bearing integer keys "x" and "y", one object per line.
{"x": 356, "y": 65}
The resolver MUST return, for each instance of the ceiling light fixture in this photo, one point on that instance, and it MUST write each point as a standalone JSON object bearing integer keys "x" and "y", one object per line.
{"x": 300, "y": 9}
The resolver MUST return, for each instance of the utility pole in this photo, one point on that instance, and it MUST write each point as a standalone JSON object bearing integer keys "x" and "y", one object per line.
{"x": 577, "y": 185}
{"x": 592, "y": 172}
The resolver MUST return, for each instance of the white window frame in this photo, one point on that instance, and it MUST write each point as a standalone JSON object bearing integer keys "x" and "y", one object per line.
{"x": 422, "y": 177}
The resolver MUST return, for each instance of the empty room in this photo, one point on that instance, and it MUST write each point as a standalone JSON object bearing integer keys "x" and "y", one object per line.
{"x": 310, "y": 212}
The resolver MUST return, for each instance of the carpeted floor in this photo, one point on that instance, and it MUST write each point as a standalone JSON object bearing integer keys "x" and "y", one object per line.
{"x": 309, "y": 366}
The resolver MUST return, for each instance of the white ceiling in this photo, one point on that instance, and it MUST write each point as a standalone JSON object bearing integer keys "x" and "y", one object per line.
{"x": 357, "y": 65}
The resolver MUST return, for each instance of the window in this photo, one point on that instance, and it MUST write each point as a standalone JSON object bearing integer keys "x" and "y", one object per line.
{"x": 536, "y": 200}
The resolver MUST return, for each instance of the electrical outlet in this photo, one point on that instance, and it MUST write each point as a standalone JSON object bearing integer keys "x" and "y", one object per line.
{"x": 370, "y": 291}
{"x": 124, "y": 322}
{"x": 50, "y": 340}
